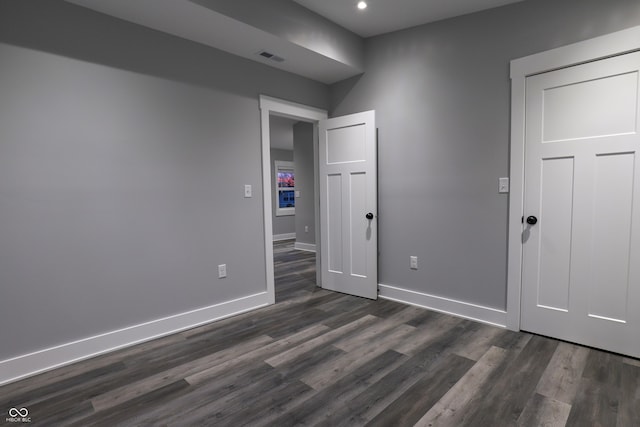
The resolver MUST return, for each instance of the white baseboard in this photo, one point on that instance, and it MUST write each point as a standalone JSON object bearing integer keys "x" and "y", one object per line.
{"x": 34, "y": 363}
{"x": 475, "y": 312}
{"x": 286, "y": 236}
{"x": 309, "y": 247}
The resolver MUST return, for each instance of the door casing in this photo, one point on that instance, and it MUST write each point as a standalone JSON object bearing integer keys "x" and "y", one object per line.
{"x": 278, "y": 107}
{"x": 617, "y": 43}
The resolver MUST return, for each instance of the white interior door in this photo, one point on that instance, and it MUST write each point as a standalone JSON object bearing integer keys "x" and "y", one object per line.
{"x": 348, "y": 204}
{"x": 581, "y": 260}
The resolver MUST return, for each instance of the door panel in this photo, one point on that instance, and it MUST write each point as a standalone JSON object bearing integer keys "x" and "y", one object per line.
{"x": 346, "y": 144}
{"x": 575, "y": 110}
{"x": 556, "y": 207}
{"x": 612, "y": 217}
{"x": 335, "y": 233}
{"x": 358, "y": 227}
{"x": 581, "y": 277}
{"x": 348, "y": 191}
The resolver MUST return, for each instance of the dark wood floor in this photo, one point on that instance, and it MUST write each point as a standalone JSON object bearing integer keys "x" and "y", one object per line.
{"x": 322, "y": 358}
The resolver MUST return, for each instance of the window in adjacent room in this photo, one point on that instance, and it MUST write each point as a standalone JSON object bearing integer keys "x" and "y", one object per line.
{"x": 285, "y": 188}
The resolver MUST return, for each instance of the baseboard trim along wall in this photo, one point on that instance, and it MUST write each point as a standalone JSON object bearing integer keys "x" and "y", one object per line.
{"x": 286, "y": 236}
{"x": 309, "y": 247}
{"x": 44, "y": 360}
{"x": 466, "y": 310}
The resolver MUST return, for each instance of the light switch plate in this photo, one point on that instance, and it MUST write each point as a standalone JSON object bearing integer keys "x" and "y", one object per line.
{"x": 247, "y": 191}
{"x": 503, "y": 185}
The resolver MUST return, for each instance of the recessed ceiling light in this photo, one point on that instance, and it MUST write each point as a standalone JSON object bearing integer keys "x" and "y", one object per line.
{"x": 362, "y": 5}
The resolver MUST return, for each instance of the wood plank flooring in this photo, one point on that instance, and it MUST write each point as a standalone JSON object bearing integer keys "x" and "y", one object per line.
{"x": 328, "y": 359}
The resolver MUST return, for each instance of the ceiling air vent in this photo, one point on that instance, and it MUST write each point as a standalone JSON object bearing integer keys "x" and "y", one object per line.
{"x": 270, "y": 56}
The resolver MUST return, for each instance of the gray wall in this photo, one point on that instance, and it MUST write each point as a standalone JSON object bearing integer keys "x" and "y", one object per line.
{"x": 281, "y": 224}
{"x": 304, "y": 169}
{"x": 441, "y": 94}
{"x": 123, "y": 156}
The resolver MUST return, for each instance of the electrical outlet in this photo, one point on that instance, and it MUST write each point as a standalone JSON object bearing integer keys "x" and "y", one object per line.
{"x": 222, "y": 271}
{"x": 247, "y": 191}
{"x": 306, "y": 228}
{"x": 413, "y": 262}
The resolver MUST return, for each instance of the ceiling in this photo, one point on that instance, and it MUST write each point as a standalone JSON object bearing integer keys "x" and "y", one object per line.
{"x": 192, "y": 21}
{"x": 384, "y": 16}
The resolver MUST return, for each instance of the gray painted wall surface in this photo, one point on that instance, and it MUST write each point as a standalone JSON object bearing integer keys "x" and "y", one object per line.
{"x": 123, "y": 155}
{"x": 442, "y": 98}
{"x": 281, "y": 132}
{"x": 281, "y": 224}
{"x": 304, "y": 169}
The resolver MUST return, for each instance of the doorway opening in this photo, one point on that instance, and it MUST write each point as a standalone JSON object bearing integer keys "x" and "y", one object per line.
{"x": 270, "y": 108}
{"x": 293, "y": 210}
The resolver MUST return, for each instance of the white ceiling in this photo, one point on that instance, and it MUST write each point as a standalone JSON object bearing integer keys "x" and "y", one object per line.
{"x": 191, "y": 21}
{"x": 383, "y": 16}
{"x": 186, "y": 19}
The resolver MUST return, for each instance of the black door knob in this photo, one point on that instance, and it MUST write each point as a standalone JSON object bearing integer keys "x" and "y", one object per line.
{"x": 532, "y": 220}
{"x": 369, "y": 215}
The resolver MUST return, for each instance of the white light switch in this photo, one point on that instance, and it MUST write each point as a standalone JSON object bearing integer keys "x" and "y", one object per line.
{"x": 247, "y": 190}
{"x": 297, "y": 194}
{"x": 503, "y": 185}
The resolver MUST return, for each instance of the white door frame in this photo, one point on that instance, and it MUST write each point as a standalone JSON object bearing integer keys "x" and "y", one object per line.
{"x": 278, "y": 107}
{"x": 617, "y": 43}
